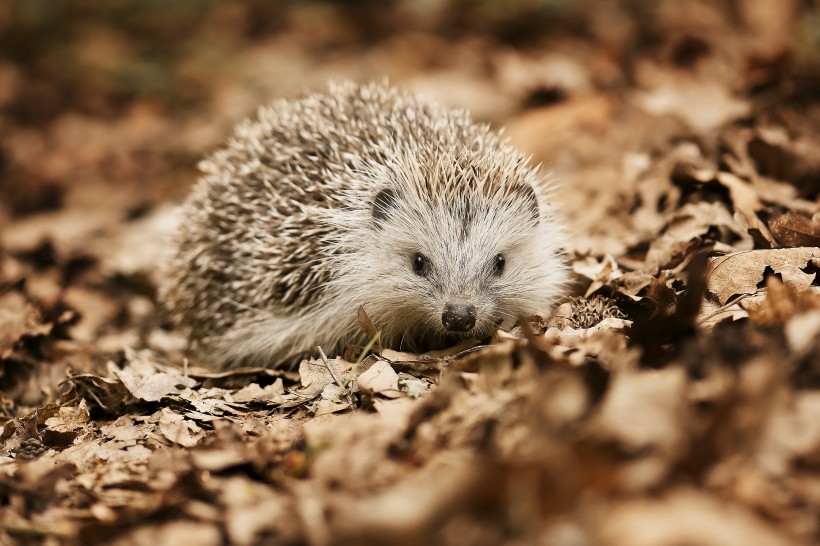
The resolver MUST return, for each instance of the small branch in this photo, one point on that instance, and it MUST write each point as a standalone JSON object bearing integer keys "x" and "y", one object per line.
{"x": 338, "y": 381}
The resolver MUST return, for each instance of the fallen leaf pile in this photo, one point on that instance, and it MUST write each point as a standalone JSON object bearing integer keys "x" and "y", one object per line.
{"x": 672, "y": 398}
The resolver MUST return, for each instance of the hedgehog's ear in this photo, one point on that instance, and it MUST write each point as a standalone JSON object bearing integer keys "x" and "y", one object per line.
{"x": 531, "y": 200}
{"x": 383, "y": 203}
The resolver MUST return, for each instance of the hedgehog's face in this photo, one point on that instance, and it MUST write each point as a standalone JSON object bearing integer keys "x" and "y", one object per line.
{"x": 459, "y": 267}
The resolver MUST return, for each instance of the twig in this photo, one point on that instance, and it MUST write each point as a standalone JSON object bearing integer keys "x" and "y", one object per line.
{"x": 338, "y": 381}
{"x": 323, "y": 356}
{"x": 725, "y": 307}
{"x": 366, "y": 349}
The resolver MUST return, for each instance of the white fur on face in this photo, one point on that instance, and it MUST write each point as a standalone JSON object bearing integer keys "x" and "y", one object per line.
{"x": 460, "y": 233}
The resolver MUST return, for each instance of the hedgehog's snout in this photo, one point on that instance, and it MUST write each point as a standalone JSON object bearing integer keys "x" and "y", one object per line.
{"x": 458, "y": 317}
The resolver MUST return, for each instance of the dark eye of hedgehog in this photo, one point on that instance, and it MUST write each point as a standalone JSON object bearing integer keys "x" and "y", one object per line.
{"x": 498, "y": 264}
{"x": 421, "y": 265}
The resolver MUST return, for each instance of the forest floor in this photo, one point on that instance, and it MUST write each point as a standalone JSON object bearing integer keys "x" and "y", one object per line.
{"x": 675, "y": 399}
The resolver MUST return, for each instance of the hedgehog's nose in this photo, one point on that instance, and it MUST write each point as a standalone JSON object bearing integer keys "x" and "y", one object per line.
{"x": 458, "y": 317}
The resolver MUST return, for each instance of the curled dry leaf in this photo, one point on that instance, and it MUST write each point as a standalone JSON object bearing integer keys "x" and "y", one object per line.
{"x": 178, "y": 429}
{"x": 692, "y": 222}
{"x": 367, "y": 325}
{"x": 380, "y": 378}
{"x": 742, "y": 273}
{"x": 254, "y": 393}
{"x": 69, "y": 418}
{"x": 63, "y": 428}
{"x": 122, "y": 430}
{"x": 146, "y": 382}
{"x": 18, "y": 317}
{"x": 794, "y": 229}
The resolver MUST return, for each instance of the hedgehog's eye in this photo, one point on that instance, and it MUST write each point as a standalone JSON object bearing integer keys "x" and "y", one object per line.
{"x": 498, "y": 264}
{"x": 421, "y": 264}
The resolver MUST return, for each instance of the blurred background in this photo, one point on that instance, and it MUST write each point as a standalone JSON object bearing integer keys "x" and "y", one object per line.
{"x": 127, "y": 95}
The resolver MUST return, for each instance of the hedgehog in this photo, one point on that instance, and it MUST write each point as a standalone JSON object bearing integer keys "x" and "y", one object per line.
{"x": 361, "y": 196}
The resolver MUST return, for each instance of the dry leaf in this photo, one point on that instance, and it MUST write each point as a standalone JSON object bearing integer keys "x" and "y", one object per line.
{"x": 17, "y": 318}
{"x": 254, "y": 393}
{"x": 367, "y": 325}
{"x": 178, "y": 429}
{"x": 146, "y": 382}
{"x": 794, "y": 229}
{"x": 743, "y": 272}
{"x": 692, "y": 222}
{"x": 380, "y": 378}
{"x": 704, "y": 105}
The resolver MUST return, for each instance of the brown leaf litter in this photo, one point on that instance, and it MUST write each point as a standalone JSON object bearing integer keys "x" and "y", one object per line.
{"x": 673, "y": 398}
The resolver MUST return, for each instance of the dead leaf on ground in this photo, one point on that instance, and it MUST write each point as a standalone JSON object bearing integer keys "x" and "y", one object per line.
{"x": 380, "y": 378}
{"x": 178, "y": 429}
{"x": 145, "y": 381}
{"x": 742, "y": 273}
{"x": 794, "y": 229}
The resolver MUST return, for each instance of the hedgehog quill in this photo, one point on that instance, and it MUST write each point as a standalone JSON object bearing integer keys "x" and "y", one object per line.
{"x": 365, "y": 195}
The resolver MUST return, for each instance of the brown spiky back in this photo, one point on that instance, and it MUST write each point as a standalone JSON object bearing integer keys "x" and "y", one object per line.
{"x": 262, "y": 227}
